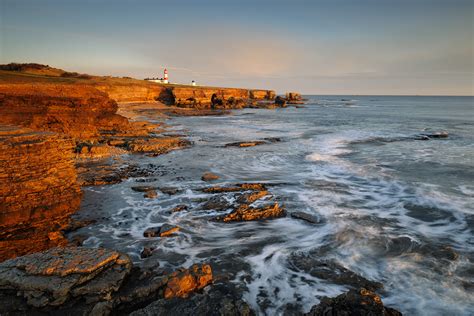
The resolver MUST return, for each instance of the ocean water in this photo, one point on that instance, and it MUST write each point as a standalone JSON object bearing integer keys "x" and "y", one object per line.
{"x": 392, "y": 208}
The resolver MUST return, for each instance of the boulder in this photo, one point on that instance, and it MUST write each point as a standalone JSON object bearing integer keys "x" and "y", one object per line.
{"x": 209, "y": 176}
{"x": 164, "y": 230}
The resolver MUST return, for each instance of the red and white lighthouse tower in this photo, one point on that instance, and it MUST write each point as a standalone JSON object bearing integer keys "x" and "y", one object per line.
{"x": 165, "y": 76}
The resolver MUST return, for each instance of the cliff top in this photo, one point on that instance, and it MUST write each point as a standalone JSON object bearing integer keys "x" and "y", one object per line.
{"x": 32, "y": 72}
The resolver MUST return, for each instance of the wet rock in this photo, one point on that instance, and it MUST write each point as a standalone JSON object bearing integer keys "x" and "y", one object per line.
{"x": 305, "y": 216}
{"x": 157, "y": 145}
{"x": 442, "y": 134}
{"x": 75, "y": 224}
{"x": 331, "y": 271}
{"x": 183, "y": 282}
{"x": 164, "y": 230}
{"x": 146, "y": 252}
{"x": 49, "y": 279}
{"x": 77, "y": 240}
{"x": 151, "y": 194}
{"x": 82, "y": 281}
{"x": 434, "y": 135}
{"x": 246, "y": 144}
{"x": 247, "y": 213}
{"x": 107, "y": 171}
{"x": 143, "y": 188}
{"x": 144, "y": 286}
{"x": 216, "y": 203}
{"x": 280, "y": 101}
{"x": 249, "y": 198}
{"x": 218, "y": 300}
{"x": 179, "y": 208}
{"x": 170, "y": 190}
{"x": 355, "y": 302}
{"x": 236, "y": 188}
{"x": 209, "y": 176}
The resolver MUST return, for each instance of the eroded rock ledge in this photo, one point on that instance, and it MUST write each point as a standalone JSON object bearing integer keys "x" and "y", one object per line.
{"x": 87, "y": 281}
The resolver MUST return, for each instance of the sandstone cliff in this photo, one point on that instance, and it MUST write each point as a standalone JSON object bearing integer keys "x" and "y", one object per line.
{"x": 38, "y": 190}
{"x": 76, "y": 110}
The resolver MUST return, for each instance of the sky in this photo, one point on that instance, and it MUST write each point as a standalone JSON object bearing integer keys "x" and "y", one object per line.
{"x": 360, "y": 47}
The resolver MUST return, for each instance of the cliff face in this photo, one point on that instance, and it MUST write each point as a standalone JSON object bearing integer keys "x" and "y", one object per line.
{"x": 38, "y": 190}
{"x": 130, "y": 92}
{"x": 78, "y": 111}
{"x": 202, "y": 97}
{"x": 183, "y": 96}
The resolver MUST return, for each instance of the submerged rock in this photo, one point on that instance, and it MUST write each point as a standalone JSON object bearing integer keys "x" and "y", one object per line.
{"x": 305, "y": 216}
{"x": 179, "y": 208}
{"x": 355, "y": 302}
{"x": 331, "y": 271}
{"x": 143, "y": 188}
{"x": 146, "y": 252}
{"x": 169, "y": 190}
{"x": 428, "y": 136}
{"x": 246, "y": 144}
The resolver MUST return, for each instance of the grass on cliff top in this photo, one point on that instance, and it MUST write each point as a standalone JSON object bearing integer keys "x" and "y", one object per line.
{"x": 7, "y": 77}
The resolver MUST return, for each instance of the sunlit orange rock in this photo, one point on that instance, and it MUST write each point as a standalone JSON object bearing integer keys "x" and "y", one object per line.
{"x": 38, "y": 190}
{"x": 247, "y": 213}
{"x": 181, "y": 283}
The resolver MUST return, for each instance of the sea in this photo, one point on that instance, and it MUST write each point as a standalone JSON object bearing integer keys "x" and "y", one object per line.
{"x": 391, "y": 204}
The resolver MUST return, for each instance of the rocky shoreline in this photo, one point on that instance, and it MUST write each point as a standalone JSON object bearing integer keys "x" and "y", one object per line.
{"x": 57, "y": 135}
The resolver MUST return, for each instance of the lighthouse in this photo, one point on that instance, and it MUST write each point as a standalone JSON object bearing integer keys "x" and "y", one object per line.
{"x": 165, "y": 76}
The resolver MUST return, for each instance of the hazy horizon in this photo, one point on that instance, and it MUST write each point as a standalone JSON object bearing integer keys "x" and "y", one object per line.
{"x": 334, "y": 47}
